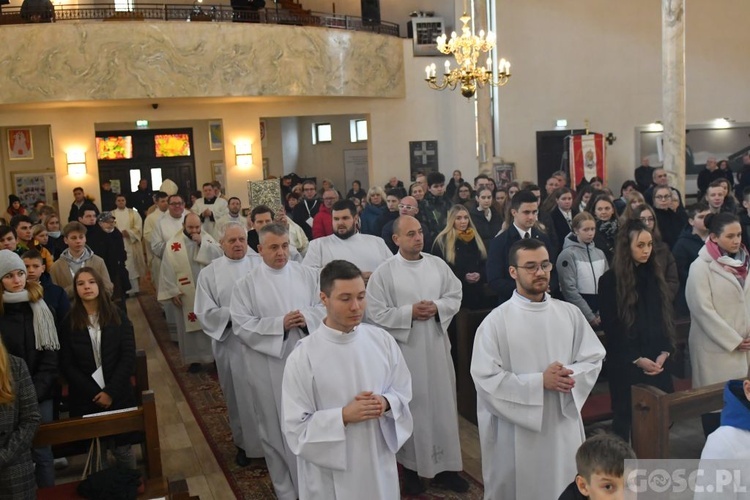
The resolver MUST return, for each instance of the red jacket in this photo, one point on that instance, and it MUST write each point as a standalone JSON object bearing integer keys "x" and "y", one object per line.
{"x": 322, "y": 223}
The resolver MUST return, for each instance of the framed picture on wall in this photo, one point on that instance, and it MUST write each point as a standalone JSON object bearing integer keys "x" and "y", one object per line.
{"x": 32, "y": 186}
{"x": 19, "y": 144}
{"x": 215, "y": 135}
{"x": 504, "y": 174}
{"x": 218, "y": 173}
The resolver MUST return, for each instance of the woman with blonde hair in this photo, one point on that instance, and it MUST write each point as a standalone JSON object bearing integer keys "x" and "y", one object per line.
{"x": 634, "y": 199}
{"x": 19, "y": 420}
{"x": 27, "y": 327}
{"x": 374, "y": 209}
{"x": 55, "y": 243}
{"x": 461, "y": 247}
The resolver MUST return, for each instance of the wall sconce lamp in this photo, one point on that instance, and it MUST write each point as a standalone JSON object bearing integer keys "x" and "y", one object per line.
{"x": 76, "y": 163}
{"x": 243, "y": 154}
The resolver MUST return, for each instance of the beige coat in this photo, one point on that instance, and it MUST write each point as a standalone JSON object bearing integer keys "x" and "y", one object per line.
{"x": 61, "y": 275}
{"x": 720, "y": 320}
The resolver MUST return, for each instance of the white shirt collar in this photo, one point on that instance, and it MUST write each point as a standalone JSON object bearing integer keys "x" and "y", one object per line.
{"x": 521, "y": 232}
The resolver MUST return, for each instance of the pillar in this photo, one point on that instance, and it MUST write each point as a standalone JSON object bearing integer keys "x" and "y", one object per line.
{"x": 485, "y": 135}
{"x": 673, "y": 89}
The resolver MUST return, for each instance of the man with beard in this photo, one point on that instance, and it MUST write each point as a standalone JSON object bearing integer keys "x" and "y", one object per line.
{"x": 534, "y": 363}
{"x": 234, "y": 206}
{"x": 304, "y": 213}
{"x": 365, "y": 251}
{"x": 185, "y": 254}
{"x": 414, "y": 297}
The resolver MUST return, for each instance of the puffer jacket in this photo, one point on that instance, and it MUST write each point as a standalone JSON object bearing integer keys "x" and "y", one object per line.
{"x": 579, "y": 268}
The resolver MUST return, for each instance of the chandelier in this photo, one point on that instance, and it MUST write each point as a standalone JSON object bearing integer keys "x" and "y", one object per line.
{"x": 466, "y": 49}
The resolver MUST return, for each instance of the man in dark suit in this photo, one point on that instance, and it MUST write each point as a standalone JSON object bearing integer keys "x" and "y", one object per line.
{"x": 307, "y": 207}
{"x": 524, "y": 209}
{"x": 644, "y": 175}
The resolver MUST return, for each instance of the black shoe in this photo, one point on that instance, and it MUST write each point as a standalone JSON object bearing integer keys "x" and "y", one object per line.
{"x": 450, "y": 480}
{"x": 412, "y": 483}
{"x": 194, "y": 368}
{"x": 241, "y": 459}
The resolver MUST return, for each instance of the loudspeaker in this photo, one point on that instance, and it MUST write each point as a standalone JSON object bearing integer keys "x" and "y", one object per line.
{"x": 370, "y": 12}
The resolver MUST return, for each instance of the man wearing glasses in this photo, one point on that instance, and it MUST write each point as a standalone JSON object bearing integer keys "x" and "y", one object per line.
{"x": 524, "y": 209}
{"x": 305, "y": 211}
{"x": 661, "y": 179}
{"x": 407, "y": 206}
{"x": 534, "y": 363}
{"x": 322, "y": 225}
{"x": 365, "y": 251}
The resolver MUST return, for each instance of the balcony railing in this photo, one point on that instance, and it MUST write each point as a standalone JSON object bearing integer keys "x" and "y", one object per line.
{"x": 196, "y": 13}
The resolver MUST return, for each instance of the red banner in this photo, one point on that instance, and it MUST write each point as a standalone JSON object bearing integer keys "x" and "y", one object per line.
{"x": 588, "y": 158}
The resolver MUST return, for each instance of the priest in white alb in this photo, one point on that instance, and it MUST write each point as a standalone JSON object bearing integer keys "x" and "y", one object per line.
{"x": 234, "y": 207}
{"x": 213, "y": 294}
{"x": 167, "y": 226}
{"x": 345, "y": 398}
{"x": 272, "y": 308}
{"x": 365, "y": 251}
{"x": 130, "y": 224}
{"x": 187, "y": 252}
{"x": 210, "y": 208}
{"x": 414, "y": 296}
{"x": 149, "y": 225}
{"x": 534, "y": 363}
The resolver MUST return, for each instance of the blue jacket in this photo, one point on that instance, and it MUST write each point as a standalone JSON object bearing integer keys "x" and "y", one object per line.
{"x": 369, "y": 217}
{"x": 55, "y": 298}
{"x": 736, "y": 412}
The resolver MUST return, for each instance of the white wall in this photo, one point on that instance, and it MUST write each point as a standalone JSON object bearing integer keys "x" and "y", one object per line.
{"x": 601, "y": 60}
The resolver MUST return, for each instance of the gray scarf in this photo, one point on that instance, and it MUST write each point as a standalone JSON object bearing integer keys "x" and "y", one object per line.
{"x": 45, "y": 333}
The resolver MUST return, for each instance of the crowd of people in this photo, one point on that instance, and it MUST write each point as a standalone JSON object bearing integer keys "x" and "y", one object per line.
{"x": 332, "y": 328}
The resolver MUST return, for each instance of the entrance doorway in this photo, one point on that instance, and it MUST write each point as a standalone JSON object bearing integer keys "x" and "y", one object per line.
{"x": 551, "y": 153}
{"x": 132, "y": 155}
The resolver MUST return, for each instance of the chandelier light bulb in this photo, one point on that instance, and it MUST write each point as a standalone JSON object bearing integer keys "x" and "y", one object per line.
{"x": 447, "y": 66}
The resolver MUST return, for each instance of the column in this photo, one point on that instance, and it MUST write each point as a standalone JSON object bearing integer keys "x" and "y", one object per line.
{"x": 673, "y": 89}
{"x": 485, "y": 136}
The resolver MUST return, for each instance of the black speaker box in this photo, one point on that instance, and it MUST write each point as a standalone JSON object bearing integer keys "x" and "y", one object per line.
{"x": 370, "y": 12}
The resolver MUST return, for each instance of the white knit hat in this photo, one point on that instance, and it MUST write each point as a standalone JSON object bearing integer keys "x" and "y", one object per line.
{"x": 10, "y": 261}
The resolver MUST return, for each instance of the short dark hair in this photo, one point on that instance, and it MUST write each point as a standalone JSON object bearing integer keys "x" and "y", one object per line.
{"x": 481, "y": 176}
{"x": 524, "y": 244}
{"x": 78, "y": 188}
{"x": 521, "y": 197}
{"x": 234, "y": 198}
{"x": 718, "y": 182}
{"x": 603, "y": 454}
{"x": 121, "y": 195}
{"x": 337, "y": 270}
{"x": 261, "y": 209}
{"x": 37, "y": 202}
{"x": 169, "y": 200}
{"x": 160, "y": 195}
{"x": 17, "y": 219}
{"x": 696, "y": 208}
{"x": 435, "y": 178}
{"x": 4, "y": 230}
{"x": 86, "y": 207}
{"x": 309, "y": 181}
{"x": 394, "y": 192}
{"x": 207, "y": 184}
{"x": 532, "y": 187}
{"x": 345, "y": 205}
{"x": 628, "y": 184}
{"x": 33, "y": 254}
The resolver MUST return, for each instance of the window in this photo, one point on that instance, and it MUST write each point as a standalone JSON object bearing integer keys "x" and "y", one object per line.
{"x": 321, "y": 132}
{"x": 358, "y": 130}
{"x": 123, "y": 5}
{"x": 135, "y": 178}
{"x": 114, "y": 148}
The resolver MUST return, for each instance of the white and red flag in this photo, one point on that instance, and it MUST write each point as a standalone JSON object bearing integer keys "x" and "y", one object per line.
{"x": 588, "y": 158}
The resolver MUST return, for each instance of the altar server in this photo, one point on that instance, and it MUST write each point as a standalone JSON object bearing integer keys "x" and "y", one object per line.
{"x": 535, "y": 361}
{"x": 149, "y": 225}
{"x": 345, "y": 398}
{"x": 365, "y": 251}
{"x": 414, "y": 296}
{"x": 129, "y": 222}
{"x": 272, "y": 308}
{"x": 213, "y": 295}
{"x": 210, "y": 208}
{"x": 187, "y": 252}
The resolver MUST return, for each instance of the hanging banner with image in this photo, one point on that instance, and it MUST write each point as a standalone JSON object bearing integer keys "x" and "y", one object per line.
{"x": 588, "y": 158}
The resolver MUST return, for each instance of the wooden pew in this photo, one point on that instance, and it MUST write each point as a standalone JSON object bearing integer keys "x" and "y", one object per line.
{"x": 654, "y": 411}
{"x": 141, "y": 419}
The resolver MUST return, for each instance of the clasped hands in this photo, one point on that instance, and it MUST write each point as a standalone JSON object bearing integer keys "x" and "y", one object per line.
{"x": 294, "y": 319}
{"x": 365, "y": 406}
{"x": 744, "y": 345}
{"x": 558, "y": 378}
{"x": 652, "y": 367}
{"x": 423, "y": 310}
